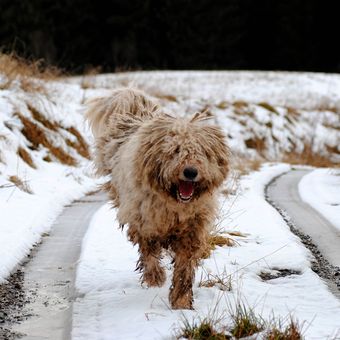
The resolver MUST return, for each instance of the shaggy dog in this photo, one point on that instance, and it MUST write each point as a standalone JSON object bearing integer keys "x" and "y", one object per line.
{"x": 164, "y": 172}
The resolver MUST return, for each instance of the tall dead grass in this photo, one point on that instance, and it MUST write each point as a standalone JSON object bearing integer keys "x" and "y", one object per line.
{"x": 308, "y": 157}
{"x": 26, "y": 73}
{"x": 37, "y": 136}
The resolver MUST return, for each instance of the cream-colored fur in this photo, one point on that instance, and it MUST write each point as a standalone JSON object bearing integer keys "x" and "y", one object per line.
{"x": 147, "y": 154}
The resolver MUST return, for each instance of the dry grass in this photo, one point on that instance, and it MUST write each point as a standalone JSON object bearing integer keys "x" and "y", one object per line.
{"x": 222, "y": 282}
{"x": 163, "y": 96}
{"x": 240, "y": 104}
{"x": 257, "y": 143}
{"x": 245, "y": 322}
{"x": 239, "y": 321}
{"x": 22, "y": 185}
{"x": 40, "y": 118}
{"x": 333, "y": 149}
{"x": 245, "y": 165}
{"x": 204, "y": 330}
{"x": 222, "y": 105}
{"x": 308, "y": 157}
{"x": 268, "y": 107}
{"x": 290, "y": 332}
{"x": 217, "y": 240}
{"x": 26, "y": 157}
{"x": 36, "y": 136}
{"x": 80, "y": 146}
{"x": 26, "y": 72}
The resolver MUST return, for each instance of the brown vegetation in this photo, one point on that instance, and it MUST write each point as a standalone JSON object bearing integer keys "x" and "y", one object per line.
{"x": 245, "y": 165}
{"x": 27, "y": 72}
{"x": 291, "y": 332}
{"x": 257, "y": 143}
{"x": 217, "y": 240}
{"x": 26, "y": 157}
{"x": 40, "y": 118}
{"x": 308, "y": 157}
{"x": 81, "y": 146}
{"x": 268, "y": 107}
{"x": 168, "y": 97}
{"x": 22, "y": 185}
{"x": 36, "y": 136}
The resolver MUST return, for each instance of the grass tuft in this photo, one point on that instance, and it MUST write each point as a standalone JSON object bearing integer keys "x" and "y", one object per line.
{"x": 245, "y": 322}
{"x": 26, "y": 157}
{"x": 222, "y": 282}
{"x": 203, "y": 330}
{"x": 293, "y": 331}
{"x": 218, "y": 240}
{"x": 268, "y": 107}
{"x": 22, "y": 185}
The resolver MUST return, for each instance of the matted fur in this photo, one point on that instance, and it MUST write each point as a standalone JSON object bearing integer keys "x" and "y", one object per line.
{"x": 145, "y": 153}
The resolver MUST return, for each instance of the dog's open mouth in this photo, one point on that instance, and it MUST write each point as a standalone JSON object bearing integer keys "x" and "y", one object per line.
{"x": 185, "y": 190}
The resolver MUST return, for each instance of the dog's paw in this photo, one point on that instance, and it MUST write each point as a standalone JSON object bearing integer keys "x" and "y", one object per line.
{"x": 154, "y": 278}
{"x": 181, "y": 301}
{"x": 184, "y": 302}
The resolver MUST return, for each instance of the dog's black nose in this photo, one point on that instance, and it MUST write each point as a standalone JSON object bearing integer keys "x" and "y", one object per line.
{"x": 190, "y": 173}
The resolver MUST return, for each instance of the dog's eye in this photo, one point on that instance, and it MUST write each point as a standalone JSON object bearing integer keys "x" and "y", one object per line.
{"x": 177, "y": 149}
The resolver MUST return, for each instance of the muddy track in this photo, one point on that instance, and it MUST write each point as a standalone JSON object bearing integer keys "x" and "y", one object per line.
{"x": 314, "y": 231}
{"x": 36, "y": 302}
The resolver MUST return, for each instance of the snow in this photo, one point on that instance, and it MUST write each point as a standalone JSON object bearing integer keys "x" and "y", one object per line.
{"x": 111, "y": 300}
{"x": 112, "y": 303}
{"x": 321, "y": 189}
{"x": 306, "y": 105}
{"x": 29, "y": 210}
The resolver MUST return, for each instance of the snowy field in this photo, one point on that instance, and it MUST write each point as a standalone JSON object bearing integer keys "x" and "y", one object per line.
{"x": 112, "y": 304}
{"x": 39, "y": 146}
{"x": 45, "y": 164}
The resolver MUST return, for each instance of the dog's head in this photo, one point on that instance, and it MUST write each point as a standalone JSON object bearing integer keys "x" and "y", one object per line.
{"x": 181, "y": 158}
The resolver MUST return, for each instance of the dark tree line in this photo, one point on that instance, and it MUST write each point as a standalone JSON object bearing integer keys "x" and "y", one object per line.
{"x": 174, "y": 34}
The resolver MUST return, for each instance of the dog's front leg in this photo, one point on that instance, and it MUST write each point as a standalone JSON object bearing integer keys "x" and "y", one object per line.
{"x": 152, "y": 272}
{"x": 181, "y": 296}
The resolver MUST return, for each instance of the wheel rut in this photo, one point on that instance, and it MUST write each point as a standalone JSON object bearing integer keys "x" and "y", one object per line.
{"x": 47, "y": 277}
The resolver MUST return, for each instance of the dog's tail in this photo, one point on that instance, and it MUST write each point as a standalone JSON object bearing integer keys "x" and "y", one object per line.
{"x": 119, "y": 110}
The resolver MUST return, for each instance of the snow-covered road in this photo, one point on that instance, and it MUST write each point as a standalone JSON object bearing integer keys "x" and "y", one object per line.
{"x": 285, "y": 192}
{"x": 50, "y": 274}
{"x": 110, "y": 303}
{"x": 113, "y": 305}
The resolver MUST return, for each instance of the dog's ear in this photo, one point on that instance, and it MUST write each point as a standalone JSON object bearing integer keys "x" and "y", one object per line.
{"x": 202, "y": 116}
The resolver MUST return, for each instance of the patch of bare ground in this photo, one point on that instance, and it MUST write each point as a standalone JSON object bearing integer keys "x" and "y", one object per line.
{"x": 12, "y": 301}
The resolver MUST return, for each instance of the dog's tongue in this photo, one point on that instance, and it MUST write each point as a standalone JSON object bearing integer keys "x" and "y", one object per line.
{"x": 186, "y": 188}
